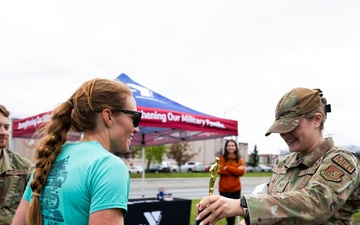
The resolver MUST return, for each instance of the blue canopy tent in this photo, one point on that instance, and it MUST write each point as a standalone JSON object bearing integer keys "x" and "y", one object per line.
{"x": 165, "y": 121}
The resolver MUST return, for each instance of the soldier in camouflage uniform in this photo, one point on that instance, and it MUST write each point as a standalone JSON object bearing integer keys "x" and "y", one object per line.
{"x": 318, "y": 183}
{"x": 14, "y": 173}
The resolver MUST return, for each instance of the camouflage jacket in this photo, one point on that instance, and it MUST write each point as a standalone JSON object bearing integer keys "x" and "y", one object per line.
{"x": 14, "y": 175}
{"x": 317, "y": 189}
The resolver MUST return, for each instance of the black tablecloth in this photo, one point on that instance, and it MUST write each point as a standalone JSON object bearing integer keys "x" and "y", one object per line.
{"x": 150, "y": 211}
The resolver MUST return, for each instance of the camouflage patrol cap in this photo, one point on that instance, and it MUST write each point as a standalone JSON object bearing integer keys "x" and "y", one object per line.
{"x": 292, "y": 107}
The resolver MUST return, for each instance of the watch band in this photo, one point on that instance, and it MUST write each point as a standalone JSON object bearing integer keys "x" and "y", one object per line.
{"x": 243, "y": 204}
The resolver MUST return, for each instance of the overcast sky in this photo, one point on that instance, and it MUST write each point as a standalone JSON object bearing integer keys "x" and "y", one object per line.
{"x": 232, "y": 59}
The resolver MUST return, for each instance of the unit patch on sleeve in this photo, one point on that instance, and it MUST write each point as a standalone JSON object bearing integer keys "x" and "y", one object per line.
{"x": 332, "y": 173}
{"x": 344, "y": 163}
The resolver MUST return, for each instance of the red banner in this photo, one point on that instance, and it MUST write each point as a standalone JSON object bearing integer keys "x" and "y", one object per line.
{"x": 185, "y": 121}
{"x": 27, "y": 127}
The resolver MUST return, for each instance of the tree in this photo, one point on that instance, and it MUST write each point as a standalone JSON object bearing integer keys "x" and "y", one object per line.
{"x": 135, "y": 152}
{"x": 254, "y": 157}
{"x": 154, "y": 154}
{"x": 180, "y": 153}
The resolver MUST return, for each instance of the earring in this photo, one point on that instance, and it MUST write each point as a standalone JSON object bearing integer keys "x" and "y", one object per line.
{"x": 316, "y": 125}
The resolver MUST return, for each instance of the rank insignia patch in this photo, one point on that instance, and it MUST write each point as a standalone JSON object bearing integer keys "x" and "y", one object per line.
{"x": 344, "y": 163}
{"x": 332, "y": 173}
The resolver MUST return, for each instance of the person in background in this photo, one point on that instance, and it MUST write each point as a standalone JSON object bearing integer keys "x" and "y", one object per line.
{"x": 83, "y": 182}
{"x": 14, "y": 172}
{"x": 316, "y": 184}
{"x": 232, "y": 167}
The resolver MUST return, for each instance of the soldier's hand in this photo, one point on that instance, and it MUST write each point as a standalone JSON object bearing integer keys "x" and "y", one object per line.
{"x": 220, "y": 207}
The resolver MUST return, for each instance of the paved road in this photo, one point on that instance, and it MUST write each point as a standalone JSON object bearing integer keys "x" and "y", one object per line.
{"x": 188, "y": 188}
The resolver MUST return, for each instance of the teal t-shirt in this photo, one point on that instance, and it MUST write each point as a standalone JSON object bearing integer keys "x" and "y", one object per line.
{"x": 84, "y": 179}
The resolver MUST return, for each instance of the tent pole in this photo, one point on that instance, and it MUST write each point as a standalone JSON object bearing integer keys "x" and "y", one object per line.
{"x": 143, "y": 164}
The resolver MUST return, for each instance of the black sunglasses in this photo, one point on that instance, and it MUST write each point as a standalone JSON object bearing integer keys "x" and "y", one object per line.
{"x": 136, "y": 118}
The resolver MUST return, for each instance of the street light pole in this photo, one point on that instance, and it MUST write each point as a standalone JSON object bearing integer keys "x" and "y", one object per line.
{"x": 232, "y": 108}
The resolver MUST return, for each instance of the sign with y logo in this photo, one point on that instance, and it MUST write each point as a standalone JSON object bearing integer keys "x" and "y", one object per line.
{"x": 153, "y": 217}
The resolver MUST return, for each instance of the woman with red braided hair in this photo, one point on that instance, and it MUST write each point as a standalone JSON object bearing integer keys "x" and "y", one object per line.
{"x": 83, "y": 182}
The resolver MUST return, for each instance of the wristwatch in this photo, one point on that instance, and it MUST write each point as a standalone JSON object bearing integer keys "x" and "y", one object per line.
{"x": 243, "y": 204}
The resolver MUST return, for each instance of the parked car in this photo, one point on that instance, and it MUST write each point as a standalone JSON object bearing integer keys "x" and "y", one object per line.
{"x": 264, "y": 168}
{"x": 258, "y": 168}
{"x": 249, "y": 169}
{"x": 136, "y": 169}
{"x": 199, "y": 167}
{"x": 169, "y": 167}
{"x": 190, "y": 167}
{"x": 153, "y": 168}
{"x": 208, "y": 167}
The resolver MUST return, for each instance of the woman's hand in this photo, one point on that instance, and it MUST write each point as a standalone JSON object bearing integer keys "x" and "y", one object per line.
{"x": 220, "y": 207}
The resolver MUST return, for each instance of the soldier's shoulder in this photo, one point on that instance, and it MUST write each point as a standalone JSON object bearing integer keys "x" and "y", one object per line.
{"x": 16, "y": 158}
{"x": 339, "y": 150}
{"x": 13, "y": 153}
{"x": 342, "y": 157}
